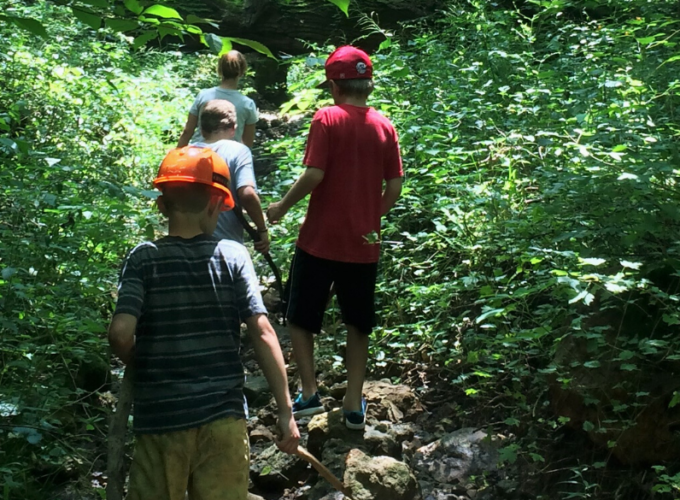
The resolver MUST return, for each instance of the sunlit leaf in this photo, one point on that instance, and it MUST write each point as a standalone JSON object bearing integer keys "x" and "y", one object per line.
{"x": 134, "y": 6}
{"x": 343, "y": 5}
{"x": 675, "y": 401}
{"x": 592, "y": 261}
{"x": 262, "y": 49}
{"x": 162, "y": 11}
{"x": 487, "y": 314}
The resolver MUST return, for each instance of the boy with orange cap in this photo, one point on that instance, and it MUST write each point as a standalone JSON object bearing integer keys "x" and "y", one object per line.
{"x": 181, "y": 301}
{"x": 354, "y": 175}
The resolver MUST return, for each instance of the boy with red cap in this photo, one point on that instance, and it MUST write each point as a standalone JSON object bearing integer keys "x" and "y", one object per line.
{"x": 181, "y": 301}
{"x": 354, "y": 175}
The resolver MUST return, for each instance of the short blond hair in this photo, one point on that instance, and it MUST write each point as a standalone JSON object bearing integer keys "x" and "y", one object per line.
{"x": 232, "y": 65}
{"x": 216, "y": 115}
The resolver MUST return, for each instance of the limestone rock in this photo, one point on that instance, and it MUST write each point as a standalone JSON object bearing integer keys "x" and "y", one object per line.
{"x": 379, "y": 478}
{"x": 261, "y": 434}
{"x": 381, "y": 443}
{"x": 337, "y": 391}
{"x": 273, "y": 470}
{"x": 334, "y": 454}
{"x": 252, "y": 496}
{"x": 336, "y": 495}
{"x": 456, "y": 457}
{"x": 256, "y": 390}
{"x": 327, "y": 426}
{"x": 391, "y": 402}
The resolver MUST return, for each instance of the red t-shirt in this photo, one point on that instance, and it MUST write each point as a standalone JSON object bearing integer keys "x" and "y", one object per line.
{"x": 357, "y": 148}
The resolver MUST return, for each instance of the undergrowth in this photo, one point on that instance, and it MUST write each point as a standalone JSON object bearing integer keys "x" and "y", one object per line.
{"x": 532, "y": 261}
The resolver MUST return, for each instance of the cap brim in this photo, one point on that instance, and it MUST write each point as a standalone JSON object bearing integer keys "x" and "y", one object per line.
{"x": 323, "y": 85}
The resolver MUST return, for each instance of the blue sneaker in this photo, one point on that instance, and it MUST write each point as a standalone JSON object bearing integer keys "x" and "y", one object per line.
{"x": 307, "y": 408}
{"x": 356, "y": 420}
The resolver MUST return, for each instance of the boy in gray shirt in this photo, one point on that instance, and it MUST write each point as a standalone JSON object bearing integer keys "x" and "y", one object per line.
{"x": 218, "y": 126}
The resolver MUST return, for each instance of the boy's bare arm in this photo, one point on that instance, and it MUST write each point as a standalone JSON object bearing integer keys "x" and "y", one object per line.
{"x": 270, "y": 358}
{"x": 250, "y": 201}
{"x": 122, "y": 336}
{"x": 391, "y": 194}
{"x": 248, "y": 137}
{"x": 305, "y": 184}
{"x": 188, "y": 132}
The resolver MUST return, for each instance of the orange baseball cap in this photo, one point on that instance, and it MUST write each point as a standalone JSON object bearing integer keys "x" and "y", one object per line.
{"x": 200, "y": 165}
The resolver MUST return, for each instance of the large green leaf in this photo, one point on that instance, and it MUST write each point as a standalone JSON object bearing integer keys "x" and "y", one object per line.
{"x": 262, "y": 49}
{"x": 92, "y": 20}
{"x": 30, "y": 25}
{"x": 134, "y": 6}
{"x": 192, "y": 19}
{"x": 163, "y": 11}
{"x": 144, "y": 38}
{"x": 122, "y": 24}
{"x": 214, "y": 42}
{"x": 343, "y": 5}
{"x": 164, "y": 31}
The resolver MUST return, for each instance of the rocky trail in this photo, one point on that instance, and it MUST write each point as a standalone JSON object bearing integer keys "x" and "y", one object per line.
{"x": 406, "y": 451}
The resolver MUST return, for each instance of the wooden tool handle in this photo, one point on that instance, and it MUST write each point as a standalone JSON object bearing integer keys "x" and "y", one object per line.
{"x": 323, "y": 470}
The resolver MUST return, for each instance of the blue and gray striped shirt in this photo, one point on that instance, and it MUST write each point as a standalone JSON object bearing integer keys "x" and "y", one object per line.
{"x": 190, "y": 297}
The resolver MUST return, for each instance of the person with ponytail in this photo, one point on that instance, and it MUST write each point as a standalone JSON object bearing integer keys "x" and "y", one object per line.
{"x": 231, "y": 67}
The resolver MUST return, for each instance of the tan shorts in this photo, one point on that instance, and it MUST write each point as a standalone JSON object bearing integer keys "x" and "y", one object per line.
{"x": 209, "y": 463}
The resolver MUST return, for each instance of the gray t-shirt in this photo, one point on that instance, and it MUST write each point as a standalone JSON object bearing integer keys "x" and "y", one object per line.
{"x": 246, "y": 111}
{"x": 240, "y": 163}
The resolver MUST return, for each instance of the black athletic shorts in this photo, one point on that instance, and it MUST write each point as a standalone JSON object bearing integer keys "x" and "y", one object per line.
{"x": 309, "y": 286}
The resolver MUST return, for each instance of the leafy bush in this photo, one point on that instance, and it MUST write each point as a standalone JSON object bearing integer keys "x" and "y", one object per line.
{"x": 539, "y": 217}
{"x": 85, "y": 121}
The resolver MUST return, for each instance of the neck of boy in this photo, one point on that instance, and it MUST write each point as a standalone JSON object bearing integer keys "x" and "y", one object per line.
{"x": 186, "y": 226}
{"x": 220, "y": 135}
{"x": 352, "y": 101}
{"x": 229, "y": 84}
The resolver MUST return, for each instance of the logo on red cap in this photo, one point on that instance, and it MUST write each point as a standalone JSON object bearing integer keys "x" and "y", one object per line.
{"x": 348, "y": 63}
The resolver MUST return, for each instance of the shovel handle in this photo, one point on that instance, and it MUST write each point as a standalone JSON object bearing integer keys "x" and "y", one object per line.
{"x": 323, "y": 471}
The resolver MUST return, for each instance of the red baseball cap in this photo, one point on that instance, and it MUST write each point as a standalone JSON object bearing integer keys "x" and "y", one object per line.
{"x": 347, "y": 63}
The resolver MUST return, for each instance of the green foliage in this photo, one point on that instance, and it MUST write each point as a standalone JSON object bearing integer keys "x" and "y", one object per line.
{"x": 343, "y": 5}
{"x": 539, "y": 211}
{"x": 83, "y": 127}
{"x": 138, "y": 19}
{"x": 535, "y": 245}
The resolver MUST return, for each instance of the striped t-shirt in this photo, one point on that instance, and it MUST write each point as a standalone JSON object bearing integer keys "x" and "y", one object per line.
{"x": 189, "y": 296}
